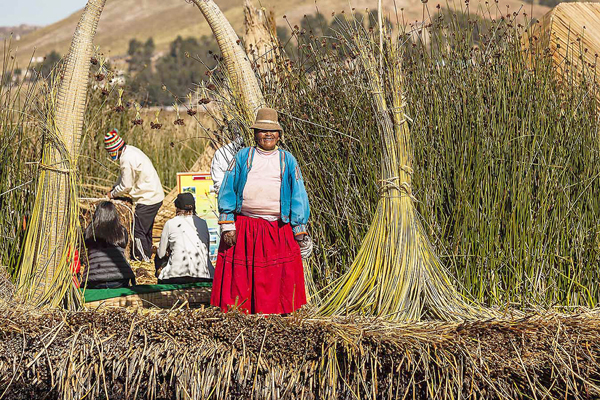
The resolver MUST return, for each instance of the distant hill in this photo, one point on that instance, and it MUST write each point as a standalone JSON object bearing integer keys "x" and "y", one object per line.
{"x": 123, "y": 20}
{"x": 17, "y": 31}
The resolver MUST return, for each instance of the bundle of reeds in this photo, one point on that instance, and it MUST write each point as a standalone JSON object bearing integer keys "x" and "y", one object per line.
{"x": 246, "y": 93}
{"x": 44, "y": 276}
{"x": 193, "y": 354}
{"x": 259, "y": 33}
{"x": 396, "y": 273}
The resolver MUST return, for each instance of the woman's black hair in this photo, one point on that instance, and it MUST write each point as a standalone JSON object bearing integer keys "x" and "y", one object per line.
{"x": 106, "y": 226}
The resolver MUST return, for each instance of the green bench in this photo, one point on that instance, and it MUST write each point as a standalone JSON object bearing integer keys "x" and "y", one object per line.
{"x": 150, "y": 296}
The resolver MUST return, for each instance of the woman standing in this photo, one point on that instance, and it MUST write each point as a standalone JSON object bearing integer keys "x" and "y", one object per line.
{"x": 105, "y": 241}
{"x": 264, "y": 210}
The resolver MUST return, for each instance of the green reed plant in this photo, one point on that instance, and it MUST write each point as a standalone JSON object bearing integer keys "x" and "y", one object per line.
{"x": 508, "y": 159}
{"x": 20, "y": 146}
{"x": 505, "y": 154}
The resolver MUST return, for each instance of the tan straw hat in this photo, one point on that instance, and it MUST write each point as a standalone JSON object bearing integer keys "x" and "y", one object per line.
{"x": 266, "y": 120}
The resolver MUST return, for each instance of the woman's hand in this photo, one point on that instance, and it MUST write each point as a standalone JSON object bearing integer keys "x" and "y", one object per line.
{"x": 230, "y": 237}
{"x": 306, "y": 245}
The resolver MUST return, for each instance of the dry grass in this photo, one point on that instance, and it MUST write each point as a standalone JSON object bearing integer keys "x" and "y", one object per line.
{"x": 144, "y": 272}
{"x": 206, "y": 354}
{"x": 7, "y": 288}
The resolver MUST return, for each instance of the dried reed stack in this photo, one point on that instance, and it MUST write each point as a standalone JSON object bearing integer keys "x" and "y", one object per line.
{"x": 205, "y": 354}
{"x": 44, "y": 275}
{"x": 396, "y": 273}
{"x": 260, "y": 36}
{"x": 571, "y": 32}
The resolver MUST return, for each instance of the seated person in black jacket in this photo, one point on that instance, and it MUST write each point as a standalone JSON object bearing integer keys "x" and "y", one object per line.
{"x": 105, "y": 241}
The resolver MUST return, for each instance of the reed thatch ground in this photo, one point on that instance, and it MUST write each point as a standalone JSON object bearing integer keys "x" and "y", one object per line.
{"x": 193, "y": 354}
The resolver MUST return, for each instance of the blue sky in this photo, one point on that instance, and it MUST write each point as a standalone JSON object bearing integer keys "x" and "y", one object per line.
{"x": 37, "y": 12}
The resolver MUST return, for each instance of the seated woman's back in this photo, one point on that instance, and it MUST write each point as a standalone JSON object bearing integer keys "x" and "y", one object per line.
{"x": 106, "y": 263}
{"x": 186, "y": 239}
{"x": 105, "y": 241}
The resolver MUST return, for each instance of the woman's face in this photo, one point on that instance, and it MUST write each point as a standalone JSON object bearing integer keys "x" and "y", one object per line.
{"x": 266, "y": 140}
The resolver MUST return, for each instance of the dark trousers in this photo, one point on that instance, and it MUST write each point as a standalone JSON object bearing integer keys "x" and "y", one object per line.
{"x": 142, "y": 232}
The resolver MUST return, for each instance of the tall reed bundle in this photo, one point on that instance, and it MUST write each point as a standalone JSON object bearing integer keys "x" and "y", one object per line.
{"x": 259, "y": 33}
{"x": 260, "y": 37}
{"x": 396, "y": 273}
{"x": 246, "y": 91}
{"x": 52, "y": 237}
{"x": 571, "y": 31}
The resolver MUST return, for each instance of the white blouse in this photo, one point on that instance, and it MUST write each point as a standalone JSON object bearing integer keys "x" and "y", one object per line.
{"x": 189, "y": 256}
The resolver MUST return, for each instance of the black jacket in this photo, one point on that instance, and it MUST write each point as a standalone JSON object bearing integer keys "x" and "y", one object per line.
{"x": 105, "y": 263}
{"x": 202, "y": 229}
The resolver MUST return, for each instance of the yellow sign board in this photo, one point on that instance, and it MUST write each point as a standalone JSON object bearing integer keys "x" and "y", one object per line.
{"x": 200, "y": 186}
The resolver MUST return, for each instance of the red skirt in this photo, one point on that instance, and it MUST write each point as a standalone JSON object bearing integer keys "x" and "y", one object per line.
{"x": 262, "y": 272}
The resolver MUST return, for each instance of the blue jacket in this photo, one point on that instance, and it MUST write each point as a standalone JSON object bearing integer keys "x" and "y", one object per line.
{"x": 294, "y": 200}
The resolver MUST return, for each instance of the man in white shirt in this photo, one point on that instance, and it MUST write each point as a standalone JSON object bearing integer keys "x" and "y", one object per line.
{"x": 139, "y": 180}
{"x": 224, "y": 156}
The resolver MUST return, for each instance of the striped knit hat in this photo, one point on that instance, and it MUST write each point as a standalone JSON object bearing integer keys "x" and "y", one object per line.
{"x": 113, "y": 143}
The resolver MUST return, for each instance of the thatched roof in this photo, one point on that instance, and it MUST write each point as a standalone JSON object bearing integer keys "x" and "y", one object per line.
{"x": 573, "y": 30}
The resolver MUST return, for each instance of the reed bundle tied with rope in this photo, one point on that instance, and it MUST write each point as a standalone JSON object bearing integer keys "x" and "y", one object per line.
{"x": 44, "y": 277}
{"x": 246, "y": 91}
{"x": 396, "y": 273}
